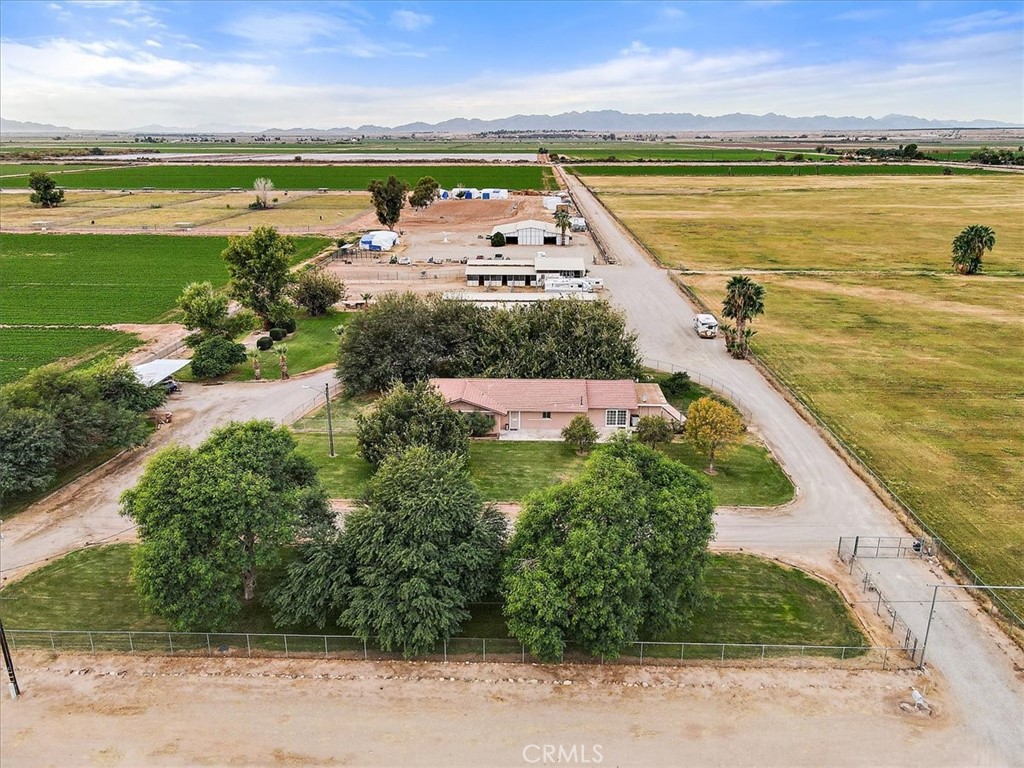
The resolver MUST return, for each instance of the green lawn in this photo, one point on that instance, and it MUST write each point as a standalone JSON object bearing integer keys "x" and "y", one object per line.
{"x": 96, "y": 279}
{"x": 754, "y": 601}
{"x": 22, "y": 349}
{"x": 789, "y": 169}
{"x": 314, "y": 344}
{"x": 287, "y": 177}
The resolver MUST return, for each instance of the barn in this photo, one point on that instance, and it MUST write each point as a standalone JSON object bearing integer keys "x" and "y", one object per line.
{"x": 528, "y": 232}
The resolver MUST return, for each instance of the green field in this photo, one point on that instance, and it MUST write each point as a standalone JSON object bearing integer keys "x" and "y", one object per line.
{"x": 758, "y": 169}
{"x": 754, "y": 601}
{"x": 288, "y": 177}
{"x": 22, "y": 349}
{"x": 917, "y": 369}
{"x": 24, "y": 169}
{"x": 98, "y": 279}
{"x": 661, "y": 152}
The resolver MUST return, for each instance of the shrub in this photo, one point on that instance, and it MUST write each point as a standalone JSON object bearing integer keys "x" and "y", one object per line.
{"x": 498, "y": 240}
{"x": 653, "y": 431}
{"x": 317, "y": 291}
{"x": 480, "y": 424}
{"x": 580, "y": 434}
{"x": 263, "y": 343}
{"x": 676, "y": 385}
{"x": 215, "y": 357}
{"x": 277, "y": 333}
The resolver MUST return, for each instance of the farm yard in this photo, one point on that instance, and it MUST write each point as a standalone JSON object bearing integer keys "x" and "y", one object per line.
{"x": 915, "y": 367}
{"x": 297, "y": 177}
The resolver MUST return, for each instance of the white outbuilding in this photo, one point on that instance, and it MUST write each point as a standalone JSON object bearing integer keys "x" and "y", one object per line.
{"x": 528, "y": 232}
{"x": 465, "y": 193}
{"x": 494, "y": 194}
{"x": 378, "y": 240}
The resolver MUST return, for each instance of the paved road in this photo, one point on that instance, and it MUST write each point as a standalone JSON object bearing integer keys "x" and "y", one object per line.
{"x": 87, "y": 511}
{"x": 977, "y": 661}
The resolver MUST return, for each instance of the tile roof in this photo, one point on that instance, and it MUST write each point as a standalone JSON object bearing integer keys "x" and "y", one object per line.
{"x": 558, "y": 395}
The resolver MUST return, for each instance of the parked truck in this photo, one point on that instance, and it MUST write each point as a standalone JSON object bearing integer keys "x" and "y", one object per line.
{"x": 706, "y": 326}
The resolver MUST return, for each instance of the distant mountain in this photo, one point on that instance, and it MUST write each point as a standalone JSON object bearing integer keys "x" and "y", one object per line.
{"x": 16, "y": 126}
{"x": 608, "y": 120}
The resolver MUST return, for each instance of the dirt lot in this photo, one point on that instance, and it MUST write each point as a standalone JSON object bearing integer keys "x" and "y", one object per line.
{"x": 132, "y": 711}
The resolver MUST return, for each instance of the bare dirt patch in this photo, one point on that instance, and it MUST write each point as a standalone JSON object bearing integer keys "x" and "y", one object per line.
{"x": 163, "y": 711}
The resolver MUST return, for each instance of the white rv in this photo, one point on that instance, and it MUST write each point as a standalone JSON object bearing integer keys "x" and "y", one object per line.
{"x": 706, "y": 326}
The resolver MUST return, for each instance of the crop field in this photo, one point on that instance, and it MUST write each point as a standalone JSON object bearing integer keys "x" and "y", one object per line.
{"x": 766, "y": 169}
{"x": 22, "y": 170}
{"x": 918, "y": 369}
{"x": 97, "y": 279}
{"x": 631, "y": 152}
{"x": 289, "y": 177}
{"x": 22, "y": 349}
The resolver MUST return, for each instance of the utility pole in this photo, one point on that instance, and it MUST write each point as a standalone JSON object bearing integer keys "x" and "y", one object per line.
{"x": 330, "y": 430}
{"x": 9, "y": 663}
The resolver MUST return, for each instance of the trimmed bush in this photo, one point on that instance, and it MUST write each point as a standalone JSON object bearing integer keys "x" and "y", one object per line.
{"x": 288, "y": 324}
{"x": 277, "y": 333}
{"x": 498, "y": 240}
{"x": 215, "y": 357}
{"x": 480, "y": 424}
{"x": 263, "y": 343}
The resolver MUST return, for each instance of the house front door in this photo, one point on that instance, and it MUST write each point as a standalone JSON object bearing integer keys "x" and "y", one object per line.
{"x": 513, "y": 420}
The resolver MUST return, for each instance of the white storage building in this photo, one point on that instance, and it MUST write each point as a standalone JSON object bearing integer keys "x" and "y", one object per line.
{"x": 528, "y": 232}
{"x": 378, "y": 240}
{"x": 494, "y": 194}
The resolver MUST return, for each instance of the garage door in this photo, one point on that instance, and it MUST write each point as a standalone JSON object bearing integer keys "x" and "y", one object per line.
{"x": 531, "y": 236}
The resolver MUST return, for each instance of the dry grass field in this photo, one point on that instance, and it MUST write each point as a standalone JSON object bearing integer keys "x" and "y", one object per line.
{"x": 167, "y": 211}
{"x": 920, "y": 370}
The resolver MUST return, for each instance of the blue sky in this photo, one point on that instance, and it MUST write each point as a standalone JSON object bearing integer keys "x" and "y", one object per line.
{"x": 126, "y": 63}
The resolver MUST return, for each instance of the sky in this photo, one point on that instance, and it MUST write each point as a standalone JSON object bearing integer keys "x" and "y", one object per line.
{"x": 122, "y": 64}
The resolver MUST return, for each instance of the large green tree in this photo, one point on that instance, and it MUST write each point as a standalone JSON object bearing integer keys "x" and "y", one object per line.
{"x": 712, "y": 428}
{"x": 407, "y": 566}
{"x": 258, "y": 265}
{"x": 317, "y": 291}
{"x": 969, "y": 246}
{"x": 30, "y": 441}
{"x": 210, "y": 517}
{"x": 744, "y": 300}
{"x": 205, "y": 312}
{"x": 44, "y": 190}
{"x": 619, "y": 551}
{"x": 407, "y": 416}
{"x": 424, "y": 193}
{"x": 388, "y": 199}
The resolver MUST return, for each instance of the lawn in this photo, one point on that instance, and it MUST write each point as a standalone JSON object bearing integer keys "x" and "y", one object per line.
{"x": 314, "y": 344}
{"x": 289, "y": 177}
{"x": 98, "y": 279}
{"x": 754, "y": 601}
{"x": 508, "y": 470}
{"x": 22, "y": 349}
{"x": 918, "y": 369}
{"x": 789, "y": 169}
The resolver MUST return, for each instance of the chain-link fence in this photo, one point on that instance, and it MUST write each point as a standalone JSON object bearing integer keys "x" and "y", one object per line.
{"x": 237, "y": 644}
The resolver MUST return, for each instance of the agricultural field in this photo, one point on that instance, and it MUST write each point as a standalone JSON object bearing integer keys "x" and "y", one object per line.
{"x": 662, "y": 152}
{"x": 177, "y": 211}
{"x": 22, "y": 349}
{"x": 755, "y": 600}
{"x": 100, "y": 279}
{"x": 22, "y": 170}
{"x": 916, "y": 368}
{"x": 773, "y": 169}
{"x": 302, "y": 177}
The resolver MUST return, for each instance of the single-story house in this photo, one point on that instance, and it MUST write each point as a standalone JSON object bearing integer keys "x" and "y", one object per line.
{"x": 504, "y": 300}
{"x": 560, "y": 266}
{"x": 538, "y": 409}
{"x": 378, "y": 240}
{"x": 488, "y": 273}
{"x": 528, "y": 232}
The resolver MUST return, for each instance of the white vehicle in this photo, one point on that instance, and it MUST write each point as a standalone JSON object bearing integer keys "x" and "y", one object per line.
{"x": 706, "y": 326}
{"x": 405, "y": 260}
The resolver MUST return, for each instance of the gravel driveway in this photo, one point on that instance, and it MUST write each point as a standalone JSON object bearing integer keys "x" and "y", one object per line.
{"x": 984, "y": 669}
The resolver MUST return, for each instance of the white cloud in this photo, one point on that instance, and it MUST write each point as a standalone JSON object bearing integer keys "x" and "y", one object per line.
{"x": 153, "y": 43}
{"x": 410, "y": 20}
{"x": 635, "y": 48}
{"x": 286, "y": 29}
{"x": 862, "y": 14}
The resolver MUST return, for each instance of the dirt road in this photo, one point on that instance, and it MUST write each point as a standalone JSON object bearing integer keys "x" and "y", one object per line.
{"x": 116, "y": 711}
{"x": 985, "y": 671}
{"x": 86, "y": 511}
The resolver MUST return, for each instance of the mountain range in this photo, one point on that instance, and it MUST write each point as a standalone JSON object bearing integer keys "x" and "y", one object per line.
{"x": 594, "y": 121}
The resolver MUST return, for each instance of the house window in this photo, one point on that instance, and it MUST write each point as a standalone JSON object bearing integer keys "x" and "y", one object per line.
{"x": 545, "y": 414}
{"x": 615, "y": 417}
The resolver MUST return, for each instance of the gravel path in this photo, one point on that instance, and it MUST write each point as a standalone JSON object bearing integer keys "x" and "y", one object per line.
{"x": 984, "y": 669}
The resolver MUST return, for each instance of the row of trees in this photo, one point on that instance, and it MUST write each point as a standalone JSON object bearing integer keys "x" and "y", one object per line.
{"x": 53, "y": 418}
{"x": 408, "y": 338}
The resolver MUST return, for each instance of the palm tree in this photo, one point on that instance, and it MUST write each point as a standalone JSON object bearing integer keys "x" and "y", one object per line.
{"x": 282, "y": 359}
{"x": 744, "y": 300}
{"x": 969, "y": 246}
{"x": 254, "y": 355}
{"x": 562, "y": 221}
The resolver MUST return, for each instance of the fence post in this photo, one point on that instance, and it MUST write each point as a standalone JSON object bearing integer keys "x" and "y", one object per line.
{"x": 839, "y": 549}
{"x": 248, "y": 646}
{"x": 52, "y": 646}
{"x": 325, "y": 646}
{"x": 723, "y": 652}
{"x": 485, "y": 648}
{"x": 682, "y": 650}
{"x": 856, "y": 542}
{"x": 843, "y": 658}
{"x": 641, "y": 653}
{"x": 209, "y": 647}
{"x": 285, "y": 646}
{"x": 445, "y": 651}
{"x": 885, "y": 657}
{"x": 131, "y": 643}
{"x": 762, "y": 653}
{"x": 364, "y": 650}
{"x": 170, "y": 643}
